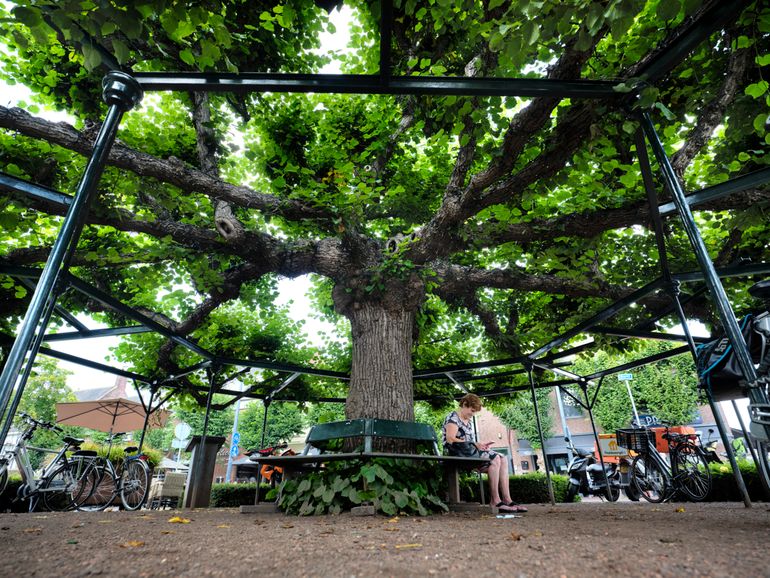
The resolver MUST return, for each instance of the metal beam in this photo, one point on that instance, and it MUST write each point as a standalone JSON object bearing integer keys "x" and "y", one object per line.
{"x": 723, "y": 272}
{"x": 716, "y": 17}
{"x": 375, "y": 84}
{"x": 603, "y": 315}
{"x": 282, "y": 367}
{"x": 635, "y": 333}
{"x": 640, "y": 362}
{"x": 736, "y": 185}
{"x": 39, "y": 192}
{"x": 95, "y": 333}
{"x": 115, "y": 305}
{"x": 93, "y": 364}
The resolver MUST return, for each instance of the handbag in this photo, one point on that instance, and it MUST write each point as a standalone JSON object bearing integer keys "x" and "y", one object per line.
{"x": 463, "y": 449}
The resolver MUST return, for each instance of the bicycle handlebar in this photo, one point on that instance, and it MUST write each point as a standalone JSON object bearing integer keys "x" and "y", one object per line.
{"x": 38, "y": 423}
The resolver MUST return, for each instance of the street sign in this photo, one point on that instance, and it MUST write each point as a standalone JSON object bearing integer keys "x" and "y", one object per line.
{"x": 625, "y": 376}
{"x": 234, "y": 450}
{"x": 182, "y": 431}
{"x": 236, "y": 438}
{"x": 180, "y": 444}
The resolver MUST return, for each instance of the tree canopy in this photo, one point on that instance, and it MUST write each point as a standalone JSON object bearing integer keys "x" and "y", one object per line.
{"x": 443, "y": 229}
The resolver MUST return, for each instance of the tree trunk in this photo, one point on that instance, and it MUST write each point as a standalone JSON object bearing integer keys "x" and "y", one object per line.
{"x": 381, "y": 374}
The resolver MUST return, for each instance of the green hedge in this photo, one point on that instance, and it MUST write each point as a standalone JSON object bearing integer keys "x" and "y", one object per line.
{"x": 525, "y": 488}
{"x": 234, "y": 495}
{"x": 724, "y": 488}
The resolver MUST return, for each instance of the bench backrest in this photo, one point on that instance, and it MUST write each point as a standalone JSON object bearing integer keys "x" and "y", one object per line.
{"x": 322, "y": 433}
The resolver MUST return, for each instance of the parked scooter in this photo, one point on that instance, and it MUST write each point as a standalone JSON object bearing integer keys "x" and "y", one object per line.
{"x": 586, "y": 477}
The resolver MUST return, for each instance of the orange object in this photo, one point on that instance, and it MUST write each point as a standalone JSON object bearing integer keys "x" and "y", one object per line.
{"x": 661, "y": 444}
{"x": 611, "y": 451}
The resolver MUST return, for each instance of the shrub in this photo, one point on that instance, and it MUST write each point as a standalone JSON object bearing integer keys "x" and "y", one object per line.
{"x": 234, "y": 495}
{"x": 525, "y": 488}
{"x": 116, "y": 453}
{"x": 724, "y": 488}
{"x": 391, "y": 485}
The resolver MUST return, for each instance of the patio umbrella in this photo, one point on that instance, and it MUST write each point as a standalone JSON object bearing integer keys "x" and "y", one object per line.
{"x": 108, "y": 415}
{"x": 169, "y": 464}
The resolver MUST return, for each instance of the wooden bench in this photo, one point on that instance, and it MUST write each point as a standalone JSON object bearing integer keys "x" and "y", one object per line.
{"x": 320, "y": 436}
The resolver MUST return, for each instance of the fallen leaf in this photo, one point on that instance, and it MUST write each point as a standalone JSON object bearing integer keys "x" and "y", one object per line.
{"x": 72, "y": 541}
{"x": 404, "y": 546}
{"x": 40, "y": 517}
{"x": 287, "y": 526}
{"x": 223, "y": 526}
{"x": 391, "y": 529}
{"x": 537, "y": 533}
{"x": 146, "y": 517}
{"x": 167, "y": 532}
{"x": 33, "y": 530}
{"x": 104, "y": 521}
{"x": 178, "y": 520}
{"x": 393, "y": 520}
{"x": 515, "y": 536}
{"x": 679, "y": 510}
{"x": 132, "y": 544}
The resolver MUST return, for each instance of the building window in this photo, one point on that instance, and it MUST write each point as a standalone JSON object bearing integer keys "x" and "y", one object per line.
{"x": 524, "y": 465}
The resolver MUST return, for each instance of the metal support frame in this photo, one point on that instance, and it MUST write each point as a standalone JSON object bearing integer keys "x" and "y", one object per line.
{"x": 756, "y": 394}
{"x": 589, "y": 406}
{"x": 121, "y": 93}
{"x": 540, "y": 434}
{"x": 673, "y": 288}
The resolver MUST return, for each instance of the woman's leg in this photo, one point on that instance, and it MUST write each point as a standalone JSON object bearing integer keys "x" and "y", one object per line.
{"x": 505, "y": 486}
{"x": 494, "y": 481}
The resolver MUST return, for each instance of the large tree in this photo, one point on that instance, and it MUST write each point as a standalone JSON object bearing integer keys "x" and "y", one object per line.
{"x": 443, "y": 229}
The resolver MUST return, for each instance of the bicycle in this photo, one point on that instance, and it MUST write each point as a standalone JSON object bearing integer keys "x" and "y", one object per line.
{"x": 654, "y": 478}
{"x": 130, "y": 480}
{"x": 62, "y": 485}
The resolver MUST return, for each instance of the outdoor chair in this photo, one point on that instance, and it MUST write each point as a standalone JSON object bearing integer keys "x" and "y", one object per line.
{"x": 168, "y": 492}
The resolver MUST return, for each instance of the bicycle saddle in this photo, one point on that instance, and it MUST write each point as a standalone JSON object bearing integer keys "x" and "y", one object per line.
{"x": 130, "y": 449}
{"x": 72, "y": 441}
{"x": 760, "y": 290}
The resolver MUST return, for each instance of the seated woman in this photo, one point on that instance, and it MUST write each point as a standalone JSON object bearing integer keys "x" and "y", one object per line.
{"x": 458, "y": 440}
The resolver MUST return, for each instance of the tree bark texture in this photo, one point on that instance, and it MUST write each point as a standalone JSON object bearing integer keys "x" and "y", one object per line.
{"x": 381, "y": 374}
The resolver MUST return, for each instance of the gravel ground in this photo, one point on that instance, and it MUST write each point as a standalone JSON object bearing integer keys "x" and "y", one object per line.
{"x": 590, "y": 539}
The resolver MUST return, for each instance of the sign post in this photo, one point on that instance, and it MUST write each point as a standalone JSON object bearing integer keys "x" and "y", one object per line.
{"x": 626, "y": 378}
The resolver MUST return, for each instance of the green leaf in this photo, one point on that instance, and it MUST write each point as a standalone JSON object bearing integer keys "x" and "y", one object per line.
{"x": 92, "y": 57}
{"x": 187, "y": 56}
{"x": 763, "y": 60}
{"x": 757, "y": 89}
{"x": 30, "y": 17}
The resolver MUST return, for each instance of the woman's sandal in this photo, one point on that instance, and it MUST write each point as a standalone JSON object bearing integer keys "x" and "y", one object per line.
{"x": 503, "y": 507}
{"x": 516, "y": 507}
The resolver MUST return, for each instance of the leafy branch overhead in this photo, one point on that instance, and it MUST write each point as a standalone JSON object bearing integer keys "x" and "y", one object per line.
{"x": 418, "y": 216}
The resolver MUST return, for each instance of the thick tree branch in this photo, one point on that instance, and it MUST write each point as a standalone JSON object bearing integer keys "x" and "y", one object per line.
{"x": 713, "y": 113}
{"x": 206, "y": 141}
{"x": 171, "y": 171}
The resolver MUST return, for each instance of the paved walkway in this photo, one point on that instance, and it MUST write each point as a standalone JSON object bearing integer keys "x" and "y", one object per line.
{"x": 590, "y": 539}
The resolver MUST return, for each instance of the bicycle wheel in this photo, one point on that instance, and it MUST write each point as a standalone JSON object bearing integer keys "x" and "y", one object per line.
{"x": 135, "y": 483}
{"x": 103, "y": 490}
{"x": 649, "y": 479}
{"x": 61, "y": 491}
{"x": 3, "y": 478}
{"x": 691, "y": 472}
